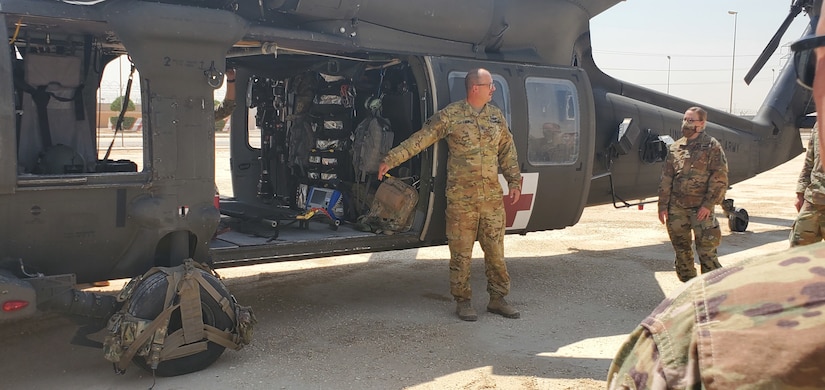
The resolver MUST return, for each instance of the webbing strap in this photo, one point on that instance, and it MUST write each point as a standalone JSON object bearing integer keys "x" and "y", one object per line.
{"x": 226, "y": 305}
{"x": 174, "y": 346}
{"x": 161, "y": 321}
{"x": 221, "y": 337}
{"x": 41, "y": 100}
{"x": 191, "y": 312}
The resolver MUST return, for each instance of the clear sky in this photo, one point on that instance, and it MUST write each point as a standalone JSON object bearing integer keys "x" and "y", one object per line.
{"x": 632, "y": 40}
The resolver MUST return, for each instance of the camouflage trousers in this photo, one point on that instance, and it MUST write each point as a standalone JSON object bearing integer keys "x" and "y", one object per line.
{"x": 681, "y": 222}
{"x": 809, "y": 226}
{"x": 467, "y": 222}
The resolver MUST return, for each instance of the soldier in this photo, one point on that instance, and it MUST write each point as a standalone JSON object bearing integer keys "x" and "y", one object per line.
{"x": 479, "y": 143}
{"x": 810, "y": 198}
{"x": 228, "y": 105}
{"x": 694, "y": 180}
{"x": 819, "y": 82}
{"x": 558, "y": 143}
{"x": 754, "y": 325}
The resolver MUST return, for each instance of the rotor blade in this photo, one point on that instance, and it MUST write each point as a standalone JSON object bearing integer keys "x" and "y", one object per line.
{"x": 773, "y": 44}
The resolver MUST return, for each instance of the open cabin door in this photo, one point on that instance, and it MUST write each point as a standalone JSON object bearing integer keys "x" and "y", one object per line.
{"x": 550, "y": 112}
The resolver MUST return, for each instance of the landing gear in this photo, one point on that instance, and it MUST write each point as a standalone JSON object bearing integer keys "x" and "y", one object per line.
{"x": 737, "y": 216}
{"x": 148, "y": 302}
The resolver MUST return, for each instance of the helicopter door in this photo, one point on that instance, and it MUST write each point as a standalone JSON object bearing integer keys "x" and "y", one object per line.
{"x": 549, "y": 112}
{"x": 556, "y": 144}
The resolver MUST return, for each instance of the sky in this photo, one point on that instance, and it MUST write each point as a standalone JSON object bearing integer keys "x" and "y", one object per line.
{"x": 632, "y": 40}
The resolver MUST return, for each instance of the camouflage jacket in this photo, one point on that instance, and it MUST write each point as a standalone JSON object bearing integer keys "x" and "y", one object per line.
{"x": 225, "y": 109}
{"x": 478, "y": 143}
{"x": 812, "y": 178}
{"x": 695, "y": 174}
{"x": 759, "y": 324}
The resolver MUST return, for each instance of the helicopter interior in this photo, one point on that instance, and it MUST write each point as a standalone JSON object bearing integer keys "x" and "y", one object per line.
{"x": 303, "y": 150}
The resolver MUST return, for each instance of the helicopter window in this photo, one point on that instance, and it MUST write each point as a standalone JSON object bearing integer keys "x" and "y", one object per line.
{"x": 56, "y": 133}
{"x": 501, "y": 96}
{"x": 554, "y": 121}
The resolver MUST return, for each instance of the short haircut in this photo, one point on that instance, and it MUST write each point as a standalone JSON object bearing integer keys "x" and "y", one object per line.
{"x": 471, "y": 78}
{"x": 703, "y": 115}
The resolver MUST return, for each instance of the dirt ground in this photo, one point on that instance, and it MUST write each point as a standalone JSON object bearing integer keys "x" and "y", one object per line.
{"x": 386, "y": 321}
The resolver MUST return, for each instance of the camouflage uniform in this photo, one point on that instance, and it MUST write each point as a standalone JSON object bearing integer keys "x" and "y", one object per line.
{"x": 695, "y": 175}
{"x": 225, "y": 109}
{"x": 755, "y": 325}
{"x": 810, "y": 222}
{"x": 478, "y": 143}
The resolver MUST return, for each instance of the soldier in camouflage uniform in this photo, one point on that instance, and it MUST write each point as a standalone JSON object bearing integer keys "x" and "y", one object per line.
{"x": 228, "y": 105}
{"x": 694, "y": 179}
{"x": 810, "y": 198}
{"x": 479, "y": 143}
{"x": 755, "y": 325}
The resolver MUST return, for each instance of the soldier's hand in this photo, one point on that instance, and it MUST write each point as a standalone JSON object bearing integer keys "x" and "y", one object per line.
{"x": 800, "y": 199}
{"x": 383, "y": 168}
{"x": 703, "y": 214}
{"x": 663, "y": 217}
{"x": 514, "y": 195}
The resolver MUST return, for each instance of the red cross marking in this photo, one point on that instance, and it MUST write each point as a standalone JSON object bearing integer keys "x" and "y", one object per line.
{"x": 524, "y": 203}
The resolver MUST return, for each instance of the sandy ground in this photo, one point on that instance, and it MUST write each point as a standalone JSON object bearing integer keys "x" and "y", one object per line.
{"x": 385, "y": 320}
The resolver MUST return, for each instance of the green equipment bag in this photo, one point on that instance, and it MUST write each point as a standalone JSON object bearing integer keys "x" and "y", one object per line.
{"x": 392, "y": 209}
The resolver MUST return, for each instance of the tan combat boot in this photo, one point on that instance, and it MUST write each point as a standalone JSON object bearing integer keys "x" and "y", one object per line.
{"x": 465, "y": 311}
{"x": 498, "y": 305}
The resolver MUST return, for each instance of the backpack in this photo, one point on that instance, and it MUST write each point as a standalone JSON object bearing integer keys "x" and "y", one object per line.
{"x": 372, "y": 140}
{"x": 392, "y": 208}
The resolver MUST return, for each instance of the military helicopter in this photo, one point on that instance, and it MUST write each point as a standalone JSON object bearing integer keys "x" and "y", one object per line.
{"x": 309, "y": 74}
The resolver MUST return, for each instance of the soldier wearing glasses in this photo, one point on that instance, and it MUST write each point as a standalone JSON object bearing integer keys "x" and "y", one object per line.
{"x": 479, "y": 143}
{"x": 756, "y": 324}
{"x": 694, "y": 180}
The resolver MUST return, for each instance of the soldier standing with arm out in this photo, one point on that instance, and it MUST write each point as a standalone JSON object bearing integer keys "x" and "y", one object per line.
{"x": 479, "y": 143}
{"x": 694, "y": 179}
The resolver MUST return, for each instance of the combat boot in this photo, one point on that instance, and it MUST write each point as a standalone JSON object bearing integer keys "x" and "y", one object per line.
{"x": 498, "y": 305}
{"x": 465, "y": 311}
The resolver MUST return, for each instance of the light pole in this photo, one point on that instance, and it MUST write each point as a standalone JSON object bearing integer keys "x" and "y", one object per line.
{"x": 733, "y": 58}
{"x": 668, "y": 75}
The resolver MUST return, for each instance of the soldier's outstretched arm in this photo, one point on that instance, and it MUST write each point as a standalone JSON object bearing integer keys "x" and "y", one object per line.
{"x": 434, "y": 129}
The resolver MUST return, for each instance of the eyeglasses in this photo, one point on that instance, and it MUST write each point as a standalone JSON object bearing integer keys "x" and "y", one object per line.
{"x": 688, "y": 120}
{"x": 488, "y": 85}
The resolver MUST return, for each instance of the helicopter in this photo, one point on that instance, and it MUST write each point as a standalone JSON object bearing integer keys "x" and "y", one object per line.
{"x": 310, "y": 75}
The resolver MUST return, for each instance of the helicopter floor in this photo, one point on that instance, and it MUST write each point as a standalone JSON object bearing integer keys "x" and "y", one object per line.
{"x": 234, "y": 232}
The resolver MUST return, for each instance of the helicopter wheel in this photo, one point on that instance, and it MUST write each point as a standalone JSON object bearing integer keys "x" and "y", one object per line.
{"x": 738, "y": 220}
{"x": 147, "y": 302}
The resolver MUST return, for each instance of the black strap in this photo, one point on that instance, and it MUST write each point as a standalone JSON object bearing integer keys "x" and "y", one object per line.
{"x": 41, "y": 97}
{"x": 124, "y": 105}
{"x": 41, "y": 100}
